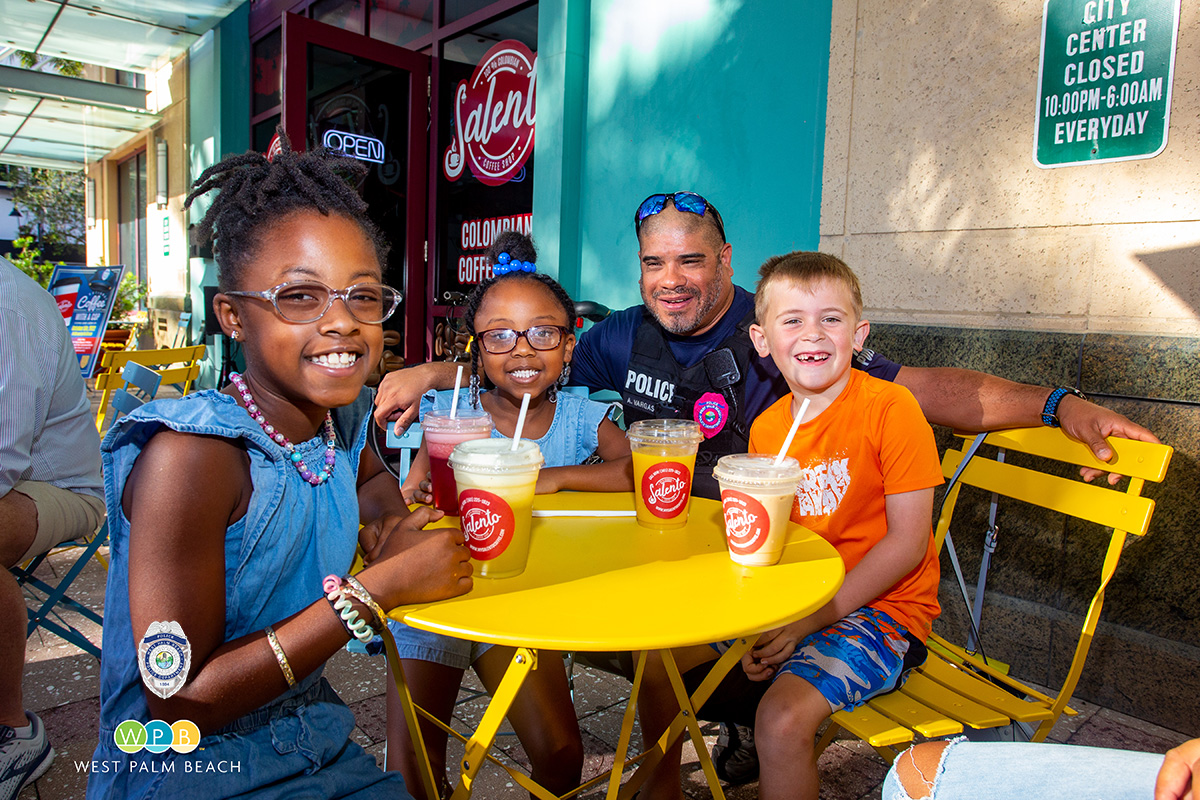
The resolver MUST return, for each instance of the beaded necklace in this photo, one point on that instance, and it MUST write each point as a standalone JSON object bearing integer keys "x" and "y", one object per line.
{"x": 314, "y": 478}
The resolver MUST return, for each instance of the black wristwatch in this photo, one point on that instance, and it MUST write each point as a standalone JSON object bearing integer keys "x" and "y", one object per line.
{"x": 1050, "y": 412}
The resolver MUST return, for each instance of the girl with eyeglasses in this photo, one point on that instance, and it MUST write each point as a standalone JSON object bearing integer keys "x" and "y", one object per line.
{"x": 234, "y": 514}
{"x": 521, "y": 322}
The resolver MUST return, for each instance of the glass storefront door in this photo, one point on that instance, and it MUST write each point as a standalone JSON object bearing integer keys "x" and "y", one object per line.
{"x": 369, "y": 100}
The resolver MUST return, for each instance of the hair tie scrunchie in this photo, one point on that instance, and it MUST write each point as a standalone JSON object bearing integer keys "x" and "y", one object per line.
{"x": 506, "y": 264}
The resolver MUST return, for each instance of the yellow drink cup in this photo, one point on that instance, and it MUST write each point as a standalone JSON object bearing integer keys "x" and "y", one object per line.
{"x": 495, "y": 498}
{"x": 757, "y": 498}
{"x": 664, "y": 458}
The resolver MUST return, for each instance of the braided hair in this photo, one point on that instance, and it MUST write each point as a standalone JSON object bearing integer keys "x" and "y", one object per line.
{"x": 520, "y": 247}
{"x": 256, "y": 192}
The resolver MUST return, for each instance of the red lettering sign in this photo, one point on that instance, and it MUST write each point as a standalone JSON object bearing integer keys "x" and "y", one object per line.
{"x": 494, "y": 115}
{"x": 488, "y": 522}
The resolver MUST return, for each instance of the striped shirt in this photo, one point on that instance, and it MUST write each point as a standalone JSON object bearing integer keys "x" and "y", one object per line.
{"x": 47, "y": 433}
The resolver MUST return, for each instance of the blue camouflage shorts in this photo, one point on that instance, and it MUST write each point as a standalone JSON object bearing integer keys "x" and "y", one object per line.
{"x": 851, "y": 661}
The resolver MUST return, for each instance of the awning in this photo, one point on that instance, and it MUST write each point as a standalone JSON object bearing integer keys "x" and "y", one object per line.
{"x": 62, "y": 123}
{"x": 53, "y": 121}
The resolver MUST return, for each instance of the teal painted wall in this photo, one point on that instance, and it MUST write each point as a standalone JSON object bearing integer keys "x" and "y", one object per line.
{"x": 218, "y": 124}
{"x": 724, "y": 97}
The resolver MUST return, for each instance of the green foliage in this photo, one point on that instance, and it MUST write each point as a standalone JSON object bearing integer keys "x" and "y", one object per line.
{"x": 63, "y": 66}
{"x": 50, "y": 203}
{"x": 130, "y": 294}
{"x": 28, "y": 260}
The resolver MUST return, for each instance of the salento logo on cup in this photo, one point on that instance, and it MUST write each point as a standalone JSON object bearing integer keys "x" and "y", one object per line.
{"x": 746, "y": 522}
{"x": 666, "y": 487}
{"x": 488, "y": 522}
{"x": 493, "y": 116}
{"x": 156, "y": 736}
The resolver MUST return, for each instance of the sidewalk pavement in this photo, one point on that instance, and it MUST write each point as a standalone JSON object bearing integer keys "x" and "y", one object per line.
{"x": 62, "y": 684}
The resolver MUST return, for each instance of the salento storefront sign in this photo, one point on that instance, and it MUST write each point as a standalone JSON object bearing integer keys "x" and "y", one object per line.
{"x": 494, "y": 115}
{"x": 1104, "y": 84}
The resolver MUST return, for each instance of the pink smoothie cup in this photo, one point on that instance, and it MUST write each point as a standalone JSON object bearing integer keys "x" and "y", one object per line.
{"x": 442, "y": 433}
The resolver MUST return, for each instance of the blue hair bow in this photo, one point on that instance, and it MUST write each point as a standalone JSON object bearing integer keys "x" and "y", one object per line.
{"x": 506, "y": 264}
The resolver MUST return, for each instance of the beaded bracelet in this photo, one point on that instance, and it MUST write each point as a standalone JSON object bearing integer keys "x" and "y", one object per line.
{"x": 355, "y": 589}
{"x": 281, "y": 657}
{"x": 344, "y": 607}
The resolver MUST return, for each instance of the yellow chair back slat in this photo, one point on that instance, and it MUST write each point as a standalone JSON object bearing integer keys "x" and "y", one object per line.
{"x": 955, "y": 687}
{"x": 1144, "y": 460}
{"x": 1070, "y": 496}
{"x": 162, "y": 361}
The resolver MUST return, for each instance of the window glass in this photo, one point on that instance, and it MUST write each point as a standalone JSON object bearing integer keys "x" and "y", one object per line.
{"x": 344, "y": 14}
{"x": 131, "y": 214}
{"x": 267, "y": 75}
{"x": 401, "y": 21}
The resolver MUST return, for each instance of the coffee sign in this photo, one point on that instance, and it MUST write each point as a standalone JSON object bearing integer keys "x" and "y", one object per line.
{"x": 494, "y": 114}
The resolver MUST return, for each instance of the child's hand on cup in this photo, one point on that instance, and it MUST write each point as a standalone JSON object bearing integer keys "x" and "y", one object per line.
{"x": 411, "y": 565}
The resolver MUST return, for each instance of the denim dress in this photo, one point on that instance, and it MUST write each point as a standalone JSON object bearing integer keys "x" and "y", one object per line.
{"x": 571, "y": 438}
{"x": 292, "y": 536}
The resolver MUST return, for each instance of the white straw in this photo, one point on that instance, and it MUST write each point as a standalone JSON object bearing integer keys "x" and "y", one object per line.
{"x": 791, "y": 434}
{"x": 520, "y": 422}
{"x": 454, "y": 399}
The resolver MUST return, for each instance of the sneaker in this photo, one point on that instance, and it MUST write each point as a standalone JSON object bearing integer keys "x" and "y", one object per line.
{"x": 734, "y": 755}
{"x": 23, "y": 760}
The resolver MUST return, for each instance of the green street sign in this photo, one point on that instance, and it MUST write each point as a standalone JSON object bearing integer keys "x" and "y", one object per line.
{"x": 1104, "y": 83}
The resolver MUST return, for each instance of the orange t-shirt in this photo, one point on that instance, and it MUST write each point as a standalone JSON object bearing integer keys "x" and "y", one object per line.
{"x": 871, "y": 442}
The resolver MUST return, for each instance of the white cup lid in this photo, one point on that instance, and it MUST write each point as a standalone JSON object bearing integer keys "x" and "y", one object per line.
{"x": 496, "y": 456}
{"x": 755, "y": 469}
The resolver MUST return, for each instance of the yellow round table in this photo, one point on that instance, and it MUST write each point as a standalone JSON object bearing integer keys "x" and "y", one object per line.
{"x": 597, "y": 580}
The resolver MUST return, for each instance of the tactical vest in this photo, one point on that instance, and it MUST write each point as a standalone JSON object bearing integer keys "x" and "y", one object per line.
{"x": 657, "y": 387}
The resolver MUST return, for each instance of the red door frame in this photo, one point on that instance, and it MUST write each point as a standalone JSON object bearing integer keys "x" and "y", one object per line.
{"x": 298, "y": 33}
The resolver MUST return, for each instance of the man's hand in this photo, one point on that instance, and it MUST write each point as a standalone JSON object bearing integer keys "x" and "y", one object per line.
{"x": 398, "y": 399}
{"x": 1092, "y": 424}
{"x": 1180, "y": 773}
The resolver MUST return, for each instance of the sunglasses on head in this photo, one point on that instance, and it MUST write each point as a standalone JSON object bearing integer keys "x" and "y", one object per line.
{"x": 683, "y": 201}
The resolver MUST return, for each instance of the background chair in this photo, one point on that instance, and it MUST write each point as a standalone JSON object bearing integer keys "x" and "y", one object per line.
{"x": 178, "y": 366}
{"x": 140, "y": 385}
{"x": 956, "y": 688}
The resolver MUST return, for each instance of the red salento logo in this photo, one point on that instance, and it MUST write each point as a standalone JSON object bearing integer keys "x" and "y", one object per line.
{"x": 666, "y": 487}
{"x": 493, "y": 116}
{"x": 488, "y": 522}
{"x": 746, "y": 522}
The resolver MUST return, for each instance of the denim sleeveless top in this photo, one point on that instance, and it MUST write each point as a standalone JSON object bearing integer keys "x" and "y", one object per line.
{"x": 571, "y": 438}
{"x": 276, "y": 556}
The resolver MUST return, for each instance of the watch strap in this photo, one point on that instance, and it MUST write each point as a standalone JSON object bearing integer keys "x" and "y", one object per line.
{"x": 1050, "y": 411}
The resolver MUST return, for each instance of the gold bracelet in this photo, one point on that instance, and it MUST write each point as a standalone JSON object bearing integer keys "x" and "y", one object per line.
{"x": 359, "y": 592}
{"x": 281, "y": 657}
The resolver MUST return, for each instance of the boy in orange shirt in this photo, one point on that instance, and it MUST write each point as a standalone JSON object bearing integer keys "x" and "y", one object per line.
{"x": 870, "y": 465}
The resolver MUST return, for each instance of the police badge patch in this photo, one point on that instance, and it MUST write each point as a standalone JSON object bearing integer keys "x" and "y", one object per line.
{"x": 164, "y": 657}
{"x": 712, "y": 412}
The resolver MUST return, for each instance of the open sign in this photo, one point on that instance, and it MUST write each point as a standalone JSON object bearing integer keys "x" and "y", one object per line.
{"x": 364, "y": 148}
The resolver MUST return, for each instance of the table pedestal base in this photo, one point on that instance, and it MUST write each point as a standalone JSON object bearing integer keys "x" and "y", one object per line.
{"x": 524, "y": 660}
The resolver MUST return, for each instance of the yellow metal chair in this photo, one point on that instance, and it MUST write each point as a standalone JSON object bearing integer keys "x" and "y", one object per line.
{"x": 179, "y": 365}
{"x": 955, "y": 688}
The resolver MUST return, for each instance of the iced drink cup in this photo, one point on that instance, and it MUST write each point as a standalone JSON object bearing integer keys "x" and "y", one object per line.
{"x": 664, "y": 458}
{"x": 442, "y": 433}
{"x": 495, "y": 496}
{"x": 757, "y": 498}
